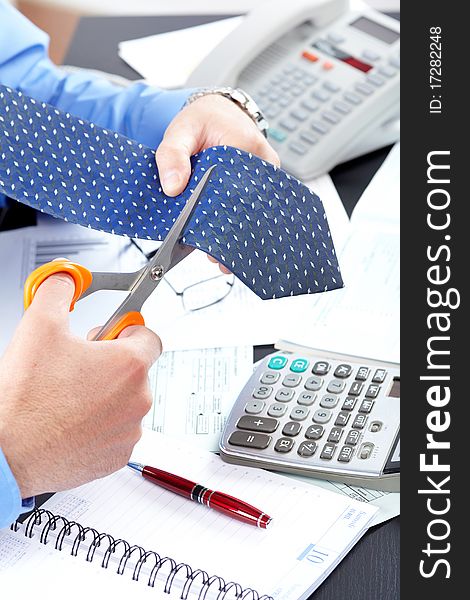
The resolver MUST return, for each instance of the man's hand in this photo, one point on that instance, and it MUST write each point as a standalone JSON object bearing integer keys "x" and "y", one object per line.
{"x": 70, "y": 409}
{"x": 208, "y": 121}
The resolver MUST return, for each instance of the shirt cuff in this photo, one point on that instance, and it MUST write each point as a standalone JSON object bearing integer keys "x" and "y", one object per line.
{"x": 10, "y": 499}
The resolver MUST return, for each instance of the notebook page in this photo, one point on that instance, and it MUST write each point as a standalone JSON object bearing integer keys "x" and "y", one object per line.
{"x": 311, "y": 529}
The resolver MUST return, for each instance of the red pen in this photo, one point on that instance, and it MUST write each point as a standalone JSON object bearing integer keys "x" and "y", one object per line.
{"x": 196, "y": 492}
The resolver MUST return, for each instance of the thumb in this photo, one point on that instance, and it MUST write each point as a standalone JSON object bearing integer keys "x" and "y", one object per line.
{"x": 173, "y": 157}
{"x": 54, "y": 296}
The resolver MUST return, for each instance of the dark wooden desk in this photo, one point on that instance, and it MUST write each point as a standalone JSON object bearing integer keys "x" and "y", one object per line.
{"x": 371, "y": 570}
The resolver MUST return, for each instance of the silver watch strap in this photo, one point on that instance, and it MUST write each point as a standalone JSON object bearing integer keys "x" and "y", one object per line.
{"x": 242, "y": 99}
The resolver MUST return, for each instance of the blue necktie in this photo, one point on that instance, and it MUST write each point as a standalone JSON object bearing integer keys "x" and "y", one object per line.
{"x": 265, "y": 226}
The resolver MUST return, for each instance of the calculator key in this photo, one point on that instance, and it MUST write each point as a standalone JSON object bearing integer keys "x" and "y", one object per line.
{"x": 375, "y": 79}
{"x": 322, "y": 415}
{"x": 379, "y": 376}
{"x": 321, "y": 368}
{"x": 364, "y": 88}
{"x": 336, "y": 386}
{"x": 299, "y": 365}
{"x": 313, "y": 383}
{"x": 372, "y": 391}
{"x": 352, "y": 437}
{"x": 310, "y": 105}
{"x": 270, "y": 377}
{"x": 292, "y": 428}
{"x": 331, "y": 86}
{"x": 346, "y": 454}
{"x": 262, "y": 392}
{"x": 342, "y": 419}
{"x": 335, "y": 434}
{"x": 362, "y": 374}
{"x": 260, "y": 441}
{"x": 299, "y": 413}
{"x": 284, "y": 101}
{"x": 306, "y": 398}
{"x": 352, "y": 98}
{"x": 359, "y": 422}
{"x": 388, "y": 71}
{"x": 298, "y": 148}
{"x": 277, "y": 410}
{"x": 308, "y": 137}
{"x": 342, "y": 371}
{"x": 342, "y": 108}
{"x": 366, "y": 406}
{"x": 254, "y": 407}
{"x": 329, "y": 401}
{"x": 366, "y": 450}
{"x": 371, "y": 55}
{"x": 320, "y": 127}
{"x": 314, "y": 432}
{"x": 306, "y": 449}
{"x": 284, "y": 445}
{"x": 289, "y": 124}
{"x": 349, "y": 403}
{"x": 277, "y": 362}
{"x": 356, "y": 388}
{"x": 276, "y": 134}
{"x": 257, "y": 424}
{"x": 284, "y": 395}
{"x": 331, "y": 117}
{"x": 291, "y": 380}
{"x": 299, "y": 114}
{"x": 328, "y": 451}
{"x": 321, "y": 95}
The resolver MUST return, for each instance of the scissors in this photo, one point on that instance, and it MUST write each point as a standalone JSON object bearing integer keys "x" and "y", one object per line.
{"x": 139, "y": 284}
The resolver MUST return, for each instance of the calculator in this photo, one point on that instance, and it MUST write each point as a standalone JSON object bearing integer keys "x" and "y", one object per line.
{"x": 319, "y": 414}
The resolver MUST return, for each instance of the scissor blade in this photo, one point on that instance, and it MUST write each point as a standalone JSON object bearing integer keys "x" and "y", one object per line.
{"x": 171, "y": 252}
{"x": 111, "y": 281}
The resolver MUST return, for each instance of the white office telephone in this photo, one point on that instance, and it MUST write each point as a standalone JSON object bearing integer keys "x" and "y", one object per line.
{"x": 327, "y": 79}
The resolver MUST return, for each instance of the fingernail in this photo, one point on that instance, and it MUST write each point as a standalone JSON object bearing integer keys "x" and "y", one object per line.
{"x": 170, "y": 182}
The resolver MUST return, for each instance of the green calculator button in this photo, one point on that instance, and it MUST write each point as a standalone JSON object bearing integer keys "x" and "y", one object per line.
{"x": 277, "y": 362}
{"x": 299, "y": 365}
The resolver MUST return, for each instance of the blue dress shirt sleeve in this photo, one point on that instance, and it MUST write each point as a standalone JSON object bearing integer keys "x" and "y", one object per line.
{"x": 140, "y": 111}
{"x": 11, "y": 504}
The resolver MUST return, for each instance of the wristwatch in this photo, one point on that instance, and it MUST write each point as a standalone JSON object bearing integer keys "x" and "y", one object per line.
{"x": 241, "y": 98}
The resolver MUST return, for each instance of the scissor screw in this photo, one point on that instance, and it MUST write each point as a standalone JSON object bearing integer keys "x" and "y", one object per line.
{"x": 157, "y": 272}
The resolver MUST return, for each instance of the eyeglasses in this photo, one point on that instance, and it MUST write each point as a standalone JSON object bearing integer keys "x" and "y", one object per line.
{"x": 201, "y": 294}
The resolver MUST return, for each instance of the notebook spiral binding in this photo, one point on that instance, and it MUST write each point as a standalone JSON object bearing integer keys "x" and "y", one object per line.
{"x": 43, "y": 521}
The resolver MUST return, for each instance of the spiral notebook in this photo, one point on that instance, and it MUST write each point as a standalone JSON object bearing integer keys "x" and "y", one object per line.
{"x": 124, "y": 537}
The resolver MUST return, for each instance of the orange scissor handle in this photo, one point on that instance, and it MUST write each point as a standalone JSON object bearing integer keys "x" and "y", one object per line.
{"x": 81, "y": 276}
{"x": 130, "y": 318}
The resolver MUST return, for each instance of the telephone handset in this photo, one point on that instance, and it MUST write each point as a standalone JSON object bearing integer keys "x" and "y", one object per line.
{"x": 327, "y": 79}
